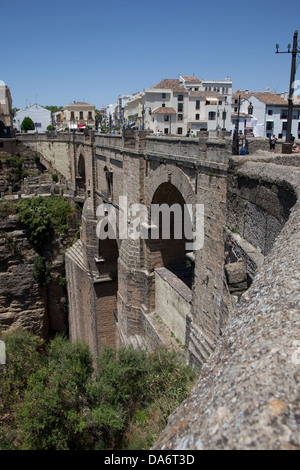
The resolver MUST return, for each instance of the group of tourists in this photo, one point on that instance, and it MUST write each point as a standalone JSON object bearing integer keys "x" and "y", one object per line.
{"x": 273, "y": 140}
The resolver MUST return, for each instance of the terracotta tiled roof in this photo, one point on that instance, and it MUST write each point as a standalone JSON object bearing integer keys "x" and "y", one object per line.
{"x": 171, "y": 84}
{"x": 264, "y": 96}
{"x": 245, "y": 94}
{"x": 270, "y": 98}
{"x": 164, "y": 110}
{"x": 206, "y": 94}
{"x": 191, "y": 79}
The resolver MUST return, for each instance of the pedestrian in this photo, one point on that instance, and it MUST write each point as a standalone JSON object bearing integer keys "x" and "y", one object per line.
{"x": 272, "y": 143}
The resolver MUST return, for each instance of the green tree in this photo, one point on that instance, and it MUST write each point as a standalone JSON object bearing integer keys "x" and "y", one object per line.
{"x": 27, "y": 124}
{"x": 54, "y": 109}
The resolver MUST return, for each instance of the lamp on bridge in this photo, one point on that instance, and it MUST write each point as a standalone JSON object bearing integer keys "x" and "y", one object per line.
{"x": 287, "y": 146}
{"x": 143, "y": 114}
{"x": 236, "y": 139}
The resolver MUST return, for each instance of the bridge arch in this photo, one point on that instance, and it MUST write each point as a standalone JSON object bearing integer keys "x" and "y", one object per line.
{"x": 169, "y": 257}
{"x": 81, "y": 175}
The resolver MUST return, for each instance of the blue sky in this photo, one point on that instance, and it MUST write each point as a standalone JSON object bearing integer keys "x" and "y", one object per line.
{"x": 63, "y": 51}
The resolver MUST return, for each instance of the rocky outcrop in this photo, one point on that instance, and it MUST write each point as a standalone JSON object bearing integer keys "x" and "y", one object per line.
{"x": 23, "y": 303}
{"x": 248, "y": 393}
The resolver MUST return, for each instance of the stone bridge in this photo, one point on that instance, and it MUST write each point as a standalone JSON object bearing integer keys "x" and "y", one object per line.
{"x": 231, "y": 304}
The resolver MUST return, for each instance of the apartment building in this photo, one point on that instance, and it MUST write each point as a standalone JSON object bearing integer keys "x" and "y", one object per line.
{"x": 264, "y": 114}
{"x": 179, "y": 106}
{"x": 40, "y": 116}
{"x": 79, "y": 115}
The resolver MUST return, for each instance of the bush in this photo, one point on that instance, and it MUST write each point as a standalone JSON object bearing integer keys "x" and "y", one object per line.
{"x": 27, "y": 124}
{"x": 41, "y": 271}
{"x": 43, "y": 216}
{"x": 22, "y": 359}
{"x": 57, "y": 401}
{"x": 52, "y": 416}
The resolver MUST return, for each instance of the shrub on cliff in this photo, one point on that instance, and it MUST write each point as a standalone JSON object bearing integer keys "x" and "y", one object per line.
{"x": 44, "y": 216}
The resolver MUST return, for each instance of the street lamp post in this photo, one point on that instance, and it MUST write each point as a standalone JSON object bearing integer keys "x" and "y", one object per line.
{"x": 236, "y": 140}
{"x": 294, "y": 53}
{"x": 143, "y": 114}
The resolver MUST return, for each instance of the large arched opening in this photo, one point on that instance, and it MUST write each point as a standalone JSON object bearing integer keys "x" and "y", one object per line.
{"x": 106, "y": 289}
{"x": 81, "y": 177}
{"x": 170, "y": 258}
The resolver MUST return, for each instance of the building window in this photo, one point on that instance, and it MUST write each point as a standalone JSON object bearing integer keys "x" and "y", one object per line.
{"x": 196, "y": 89}
{"x": 166, "y": 117}
{"x": 211, "y": 116}
{"x": 283, "y": 114}
{"x": 284, "y": 126}
{"x": 180, "y": 117}
{"x": 296, "y": 114}
{"x": 163, "y": 105}
{"x": 270, "y": 112}
{"x": 197, "y": 117}
{"x": 220, "y": 103}
{"x": 270, "y": 125}
{"x": 81, "y": 115}
{"x": 180, "y": 107}
{"x": 180, "y": 97}
{"x": 72, "y": 114}
{"x": 198, "y": 104}
{"x": 235, "y": 110}
{"x": 90, "y": 115}
{"x": 179, "y": 130}
{"x": 163, "y": 96}
{"x": 166, "y": 130}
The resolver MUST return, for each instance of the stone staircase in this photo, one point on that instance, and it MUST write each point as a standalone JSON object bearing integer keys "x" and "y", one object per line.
{"x": 75, "y": 254}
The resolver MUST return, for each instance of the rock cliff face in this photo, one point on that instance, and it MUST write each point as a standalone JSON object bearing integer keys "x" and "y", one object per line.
{"x": 22, "y": 302}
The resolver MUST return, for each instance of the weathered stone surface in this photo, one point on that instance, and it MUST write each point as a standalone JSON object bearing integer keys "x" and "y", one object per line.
{"x": 236, "y": 276}
{"x": 22, "y": 302}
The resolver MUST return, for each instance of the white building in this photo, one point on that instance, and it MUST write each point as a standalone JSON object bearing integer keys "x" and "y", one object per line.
{"x": 268, "y": 116}
{"x": 178, "y": 106}
{"x": 39, "y": 115}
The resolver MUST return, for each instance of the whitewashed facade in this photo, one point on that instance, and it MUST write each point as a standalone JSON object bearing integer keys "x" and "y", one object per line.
{"x": 179, "y": 106}
{"x": 39, "y": 115}
{"x": 268, "y": 114}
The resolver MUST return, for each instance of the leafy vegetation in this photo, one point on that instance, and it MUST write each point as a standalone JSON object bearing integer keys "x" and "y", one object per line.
{"x": 51, "y": 398}
{"x": 44, "y": 216}
{"x": 27, "y": 124}
{"x": 41, "y": 271}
